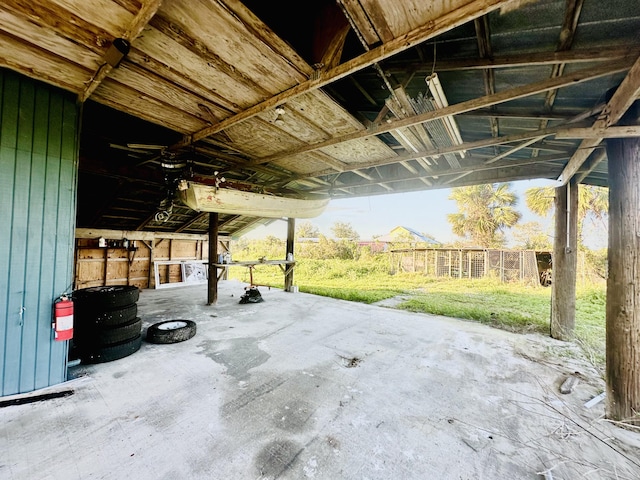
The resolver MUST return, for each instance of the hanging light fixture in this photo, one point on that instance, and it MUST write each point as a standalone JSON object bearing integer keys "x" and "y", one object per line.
{"x": 280, "y": 111}
{"x": 440, "y": 100}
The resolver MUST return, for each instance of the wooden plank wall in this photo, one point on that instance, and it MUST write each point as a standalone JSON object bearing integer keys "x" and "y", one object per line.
{"x": 117, "y": 265}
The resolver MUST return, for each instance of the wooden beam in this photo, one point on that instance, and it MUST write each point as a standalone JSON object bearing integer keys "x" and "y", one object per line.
{"x": 513, "y": 150}
{"x": 291, "y": 235}
{"x": 521, "y": 113}
{"x": 624, "y": 96}
{"x": 565, "y": 259}
{"x": 589, "y": 165}
{"x": 623, "y": 282}
{"x": 144, "y": 15}
{"x": 572, "y": 15}
{"x": 134, "y": 235}
{"x": 462, "y": 171}
{"x": 330, "y": 37}
{"x": 489, "y": 142}
{"x": 445, "y": 23}
{"x": 601, "y": 132}
{"x": 194, "y": 219}
{"x": 483, "y": 36}
{"x": 473, "y": 104}
{"x": 567, "y": 33}
{"x": 592, "y": 55}
{"x": 212, "y": 281}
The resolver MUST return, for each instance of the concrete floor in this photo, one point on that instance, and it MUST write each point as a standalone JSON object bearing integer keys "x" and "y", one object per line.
{"x": 301, "y": 386}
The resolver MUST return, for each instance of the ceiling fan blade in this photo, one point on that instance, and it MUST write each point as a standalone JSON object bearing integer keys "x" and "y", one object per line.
{"x": 155, "y": 158}
{"x": 126, "y": 148}
{"x": 144, "y": 146}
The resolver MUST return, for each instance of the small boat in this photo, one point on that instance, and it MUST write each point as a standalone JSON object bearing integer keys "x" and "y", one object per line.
{"x": 208, "y": 198}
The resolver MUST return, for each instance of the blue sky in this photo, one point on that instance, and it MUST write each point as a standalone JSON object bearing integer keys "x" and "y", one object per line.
{"x": 424, "y": 211}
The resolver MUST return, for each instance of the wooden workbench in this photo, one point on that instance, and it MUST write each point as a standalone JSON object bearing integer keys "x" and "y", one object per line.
{"x": 285, "y": 265}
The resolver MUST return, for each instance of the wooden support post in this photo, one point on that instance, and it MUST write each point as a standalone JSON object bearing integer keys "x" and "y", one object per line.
{"x": 623, "y": 283}
{"x": 151, "y": 279}
{"x": 565, "y": 255}
{"x": 291, "y": 232}
{"x": 212, "y": 282}
{"x": 105, "y": 270}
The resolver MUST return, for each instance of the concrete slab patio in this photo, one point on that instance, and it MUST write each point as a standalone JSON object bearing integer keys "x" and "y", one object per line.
{"x": 302, "y": 386}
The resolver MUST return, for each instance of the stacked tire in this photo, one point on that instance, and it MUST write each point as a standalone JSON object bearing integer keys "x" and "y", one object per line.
{"x": 106, "y": 323}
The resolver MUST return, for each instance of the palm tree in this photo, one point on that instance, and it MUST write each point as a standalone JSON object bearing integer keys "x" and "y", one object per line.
{"x": 593, "y": 202}
{"x": 484, "y": 212}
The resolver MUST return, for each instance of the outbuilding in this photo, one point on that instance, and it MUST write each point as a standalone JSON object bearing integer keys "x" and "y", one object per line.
{"x": 109, "y": 111}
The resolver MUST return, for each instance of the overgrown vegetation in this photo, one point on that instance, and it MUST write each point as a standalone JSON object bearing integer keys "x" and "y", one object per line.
{"x": 366, "y": 278}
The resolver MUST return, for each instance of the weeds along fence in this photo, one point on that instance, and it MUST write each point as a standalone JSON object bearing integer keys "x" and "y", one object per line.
{"x": 526, "y": 266}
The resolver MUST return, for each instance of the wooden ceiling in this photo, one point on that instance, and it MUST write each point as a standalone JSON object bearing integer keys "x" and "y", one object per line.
{"x": 329, "y": 98}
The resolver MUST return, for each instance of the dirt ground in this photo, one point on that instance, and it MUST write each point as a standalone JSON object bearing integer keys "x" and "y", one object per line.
{"x": 306, "y": 387}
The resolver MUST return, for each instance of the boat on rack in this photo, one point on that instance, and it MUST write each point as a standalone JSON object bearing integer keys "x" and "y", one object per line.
{"x": 208, "y": 198}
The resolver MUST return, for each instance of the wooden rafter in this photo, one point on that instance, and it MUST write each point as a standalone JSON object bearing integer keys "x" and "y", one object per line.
{"x": 466, "y": 170}
{"x": 432, "y": 29}
{"x": 627, "y": 131}
{"x": 144, "y": 15}
{"x": 573, "y": 9}
{"x": 588, "y": 55}
{"x": 489, "y": 142}
{"x": 481, "y": 102}
{"x": 196, "y": 218}
{"x": 485, "y": 50}
{"x": 625, "y": 95}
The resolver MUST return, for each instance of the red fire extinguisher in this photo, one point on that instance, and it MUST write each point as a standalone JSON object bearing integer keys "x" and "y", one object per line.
{"x": 63, "y": 319}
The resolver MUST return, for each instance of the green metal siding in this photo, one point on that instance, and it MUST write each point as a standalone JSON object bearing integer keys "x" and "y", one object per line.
{"x": 38, "y": 176}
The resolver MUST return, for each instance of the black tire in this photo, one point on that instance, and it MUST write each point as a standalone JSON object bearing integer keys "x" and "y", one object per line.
{"x": 112, "y": 352}
{"x": 90, "y": 318}
{"x": 106, "y": 298}
{"x": 171, "y": 331}
{"x": 111, "y": 336}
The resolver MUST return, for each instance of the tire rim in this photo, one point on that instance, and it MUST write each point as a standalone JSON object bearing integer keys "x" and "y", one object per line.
{"x": 172, "y": 325}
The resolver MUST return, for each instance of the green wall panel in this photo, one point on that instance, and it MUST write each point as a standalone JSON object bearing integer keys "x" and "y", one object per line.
{"x": 38, "y": 175}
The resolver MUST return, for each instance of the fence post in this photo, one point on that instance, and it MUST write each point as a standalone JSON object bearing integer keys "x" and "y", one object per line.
{"x": 521, "y": 265}
{"x": 486, "y": 263}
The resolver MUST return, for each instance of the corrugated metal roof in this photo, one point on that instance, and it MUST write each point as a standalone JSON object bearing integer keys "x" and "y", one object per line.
{"x": 203, "y": 80}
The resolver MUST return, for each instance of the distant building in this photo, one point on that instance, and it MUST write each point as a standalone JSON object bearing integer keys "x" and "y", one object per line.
{"x": 408, "y": 235}
{"x": 375, "y": 246}
{"x": 399, "y": 235}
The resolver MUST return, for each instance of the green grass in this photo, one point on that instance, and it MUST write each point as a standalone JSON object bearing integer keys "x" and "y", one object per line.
{"x": 507, "y": 306}
{"x": 510, "y": 306}
{"x": 590, "y": 322}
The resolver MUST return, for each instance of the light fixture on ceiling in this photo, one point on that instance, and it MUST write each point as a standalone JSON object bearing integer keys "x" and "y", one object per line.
{"x": 117, "y": 51}
{"x": 280, "y": 111}
{"x": 440, "y": 101}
